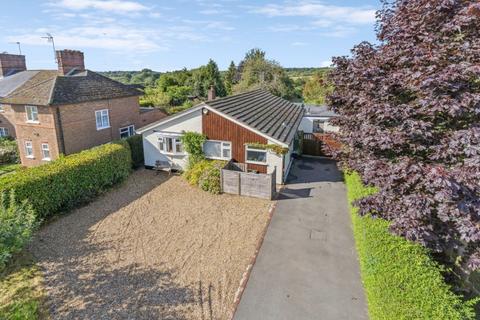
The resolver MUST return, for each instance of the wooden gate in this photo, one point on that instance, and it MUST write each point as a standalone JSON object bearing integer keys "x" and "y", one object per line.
{"x": 312, "y": 145}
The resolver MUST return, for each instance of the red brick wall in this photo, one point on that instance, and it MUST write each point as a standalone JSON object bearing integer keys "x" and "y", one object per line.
{"x": 70, "y": 59}
{"x": 10, "y": 62}
{"x": 42, "y": 132}
{"x": 6, "y": 119}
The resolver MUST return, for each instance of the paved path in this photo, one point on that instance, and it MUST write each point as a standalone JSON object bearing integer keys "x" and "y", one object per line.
{"x": 307, "y": 267}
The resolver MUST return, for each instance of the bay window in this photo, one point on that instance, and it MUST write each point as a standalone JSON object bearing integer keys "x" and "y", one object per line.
{"x": 170, "y": 144}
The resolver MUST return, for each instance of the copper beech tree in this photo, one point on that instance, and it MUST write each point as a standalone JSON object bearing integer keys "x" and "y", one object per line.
{"x": 410, "y": 119}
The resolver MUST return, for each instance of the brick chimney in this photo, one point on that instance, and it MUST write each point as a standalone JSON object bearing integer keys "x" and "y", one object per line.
{"x": 11, "y": 63}
{"x": 211, "y": 93}
{"x": 69, "y": 60}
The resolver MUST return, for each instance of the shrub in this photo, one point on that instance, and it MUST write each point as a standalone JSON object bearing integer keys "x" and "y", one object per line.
{"x": 401, "y": 279}
{"x": 210, "y": 178}
{"x": 8, "y": 151}
{"x": 206, "y": 175}
{"x": 17, "y": 222}
{"x": 193, "y": 144}
{"x": 136, "y": 147}
{"x": 71, "y": 180}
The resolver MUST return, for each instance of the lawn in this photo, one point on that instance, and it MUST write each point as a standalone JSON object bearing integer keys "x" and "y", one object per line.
{"x": 153, "y": 248}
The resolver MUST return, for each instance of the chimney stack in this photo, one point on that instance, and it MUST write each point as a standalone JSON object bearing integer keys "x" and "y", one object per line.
{"x": 69, "y": 60}
{"x": 211, "y": 93}
{"x": 11, "y": 63}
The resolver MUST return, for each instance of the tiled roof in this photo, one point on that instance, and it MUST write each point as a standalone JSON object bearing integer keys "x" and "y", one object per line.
{"x": 10, "y": 83}
{"x": 259, "y": 109}
{"x": 49, "y": 88}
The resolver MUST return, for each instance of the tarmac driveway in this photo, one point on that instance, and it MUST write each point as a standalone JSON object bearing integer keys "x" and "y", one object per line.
{"x": 307, "y": 267}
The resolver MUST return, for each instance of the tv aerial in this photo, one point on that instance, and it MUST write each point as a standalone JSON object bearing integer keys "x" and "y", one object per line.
{"x": 19, "y": 47}
{"x": 50, "y": 39}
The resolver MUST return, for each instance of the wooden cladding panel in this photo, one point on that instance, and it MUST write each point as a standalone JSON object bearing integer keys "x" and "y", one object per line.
{"x": 216, "y": 127}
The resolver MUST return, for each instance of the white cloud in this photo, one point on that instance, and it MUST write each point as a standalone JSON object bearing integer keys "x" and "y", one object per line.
{"x": 324, "y": 12}
{"x": 299, "y": 44}
{"x": 118, "y": 6}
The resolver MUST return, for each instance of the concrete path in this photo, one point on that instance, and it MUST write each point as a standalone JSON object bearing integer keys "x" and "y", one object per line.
{"x": 307, "y": 267}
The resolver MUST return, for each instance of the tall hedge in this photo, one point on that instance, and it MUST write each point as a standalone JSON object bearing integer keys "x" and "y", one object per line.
{"x": 401, "y": 280}
{"x": 136, "y": 146}
{"x": 71, "y": 180}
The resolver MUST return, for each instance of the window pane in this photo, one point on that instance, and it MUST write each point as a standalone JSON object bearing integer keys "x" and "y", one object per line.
{"x": 257, "y": 156}
{"x": 131, "y": 130}
{"x": 45, "y": 151}
{"x": 169, "y": 145}
{"x": 212, "y": 149}
{"x": 226, "y": 153}
{"x": 178, "y": 146}
{"x": 98, "y": 115}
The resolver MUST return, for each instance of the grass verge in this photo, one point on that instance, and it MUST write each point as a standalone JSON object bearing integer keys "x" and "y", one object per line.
{"x": 21, "y": 291}
{"x": 401, "y": 280}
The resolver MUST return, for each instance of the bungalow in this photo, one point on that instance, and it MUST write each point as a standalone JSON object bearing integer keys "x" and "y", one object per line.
{"x": 231, "y": 125}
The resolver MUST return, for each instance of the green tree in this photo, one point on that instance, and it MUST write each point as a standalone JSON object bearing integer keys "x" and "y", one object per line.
{"x": 230, "y": 78}
{"x": 258, "y": 72}
{"x": 316, "y": 88}
{"x": 207, "y": 76}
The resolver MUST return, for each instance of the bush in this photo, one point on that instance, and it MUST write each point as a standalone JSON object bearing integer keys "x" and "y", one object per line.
{"x": 8, "y": 151}
{"x": 71, "y": 180}
{"x": 193, "y": 144}
{"x": 136, "y": 147}
{"x": 401, "y": 280}
{"x": 17, "y": 222}
{"x": 206, "y": 175}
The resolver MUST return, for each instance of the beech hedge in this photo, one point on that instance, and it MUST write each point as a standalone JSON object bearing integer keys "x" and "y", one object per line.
{"x": 70, "y": 180}
{"x": 401, "y": 279}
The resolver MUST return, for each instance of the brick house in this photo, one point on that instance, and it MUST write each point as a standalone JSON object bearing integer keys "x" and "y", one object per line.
{"x": 70, "y": 109}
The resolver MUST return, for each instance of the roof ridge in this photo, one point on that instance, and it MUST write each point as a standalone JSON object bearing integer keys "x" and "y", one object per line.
{"x": 232, "y": 96}
{"x": 52, "y": 90}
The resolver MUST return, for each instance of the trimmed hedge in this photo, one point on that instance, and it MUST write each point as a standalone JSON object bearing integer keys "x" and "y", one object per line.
{"x": 401, "y": 280}
{"x": 71, "y": 180}
{"x": 136, "y": 147}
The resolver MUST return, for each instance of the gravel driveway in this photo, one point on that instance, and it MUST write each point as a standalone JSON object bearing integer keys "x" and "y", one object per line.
{"x": 153, "y": 248}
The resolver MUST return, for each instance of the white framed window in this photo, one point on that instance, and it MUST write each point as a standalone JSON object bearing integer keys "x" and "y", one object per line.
{"x": 319, "y": 125}
{"x": 127, "y": 132}
{"x": 255, "y": 156}
{"x": 221, "y": 150}
{"x": 102, "y": 119}
{"x": 2, "y": 108}
{"x": 4, "y": 132}
{"x": 45, "y": 152}
{"x": 170, "y": 145}
{"x": 32, "y": 113}
{"x": 29, "y": 149}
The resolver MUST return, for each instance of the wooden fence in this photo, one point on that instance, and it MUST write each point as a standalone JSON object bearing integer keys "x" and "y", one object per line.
{"x": 235, "y": 180}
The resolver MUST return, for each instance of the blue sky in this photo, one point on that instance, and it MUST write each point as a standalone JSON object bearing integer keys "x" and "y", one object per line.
{"x": 170, "y": 35}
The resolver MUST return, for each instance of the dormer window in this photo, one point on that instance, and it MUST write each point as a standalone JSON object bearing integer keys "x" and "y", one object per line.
{"x": 32, "y": 114}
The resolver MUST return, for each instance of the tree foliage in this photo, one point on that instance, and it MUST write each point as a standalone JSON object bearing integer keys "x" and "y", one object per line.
{"x": 230, "y": 78}
{"x": 207, "y": 76}
{"x": 410, "y": 118}
{"x": 258, "y": 72}
{"x": 316, "y": 89}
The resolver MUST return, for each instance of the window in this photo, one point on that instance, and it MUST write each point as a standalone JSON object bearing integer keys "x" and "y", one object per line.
{"x": 256, "y": 155}
{"x": 221, "y": 150}
{"x": 2, "y": 108}
{"x": 45, "y": 152}
{"x": 28, "y": 149}
{"x": 32, "y": 113}
{"x": 319, "y": 126}
{"x": 103, "y": 121}
{"x": 127, "y": 132}
{"x": 4, "y": 132}
{"x": 172, "y": 145}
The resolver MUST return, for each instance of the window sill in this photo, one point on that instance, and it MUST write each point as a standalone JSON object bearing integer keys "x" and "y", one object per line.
{"x": 173, "y": 154}
{"x": 218, "y": 158}
{"x": 46, "y": 159}
{"x": 30, "y": 157}
{"x": 102, "y": 128}
{"x": 256, "y": 162}
{"x": 33, "y": 122}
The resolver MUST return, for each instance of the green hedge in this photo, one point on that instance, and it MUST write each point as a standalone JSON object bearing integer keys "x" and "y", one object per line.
{"x": 136, "y": 147}
{"x": 71, "y": 180}
{"x": 206, "y": 175}
{"x": 401, "y": 280}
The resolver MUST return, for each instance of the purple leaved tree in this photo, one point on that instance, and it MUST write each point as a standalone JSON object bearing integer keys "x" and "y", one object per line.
{"x": 410, "y": 119}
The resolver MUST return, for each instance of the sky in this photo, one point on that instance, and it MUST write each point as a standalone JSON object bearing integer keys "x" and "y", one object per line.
{"x": 170, "y": 35}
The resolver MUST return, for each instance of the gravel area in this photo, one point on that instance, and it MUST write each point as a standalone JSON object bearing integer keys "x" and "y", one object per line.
{"x": 152, "y": 248}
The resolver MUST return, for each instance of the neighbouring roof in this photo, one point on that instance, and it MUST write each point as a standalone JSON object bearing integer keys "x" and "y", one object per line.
{"x": 10, "y": 83}
{"x": 318, "y": 111}
{"x": 48, "y": 87}
{"x": 259, "y": 110}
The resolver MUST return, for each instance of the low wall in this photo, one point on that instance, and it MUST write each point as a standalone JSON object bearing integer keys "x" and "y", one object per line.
{"x": 235, "y": 180}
